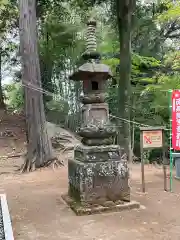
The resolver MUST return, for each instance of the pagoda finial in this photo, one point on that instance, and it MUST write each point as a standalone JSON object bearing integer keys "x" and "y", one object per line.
{"x": 91, "y": 44}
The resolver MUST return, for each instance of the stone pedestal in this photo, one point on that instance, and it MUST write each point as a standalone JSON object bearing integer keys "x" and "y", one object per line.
{"x": 98, "y": 181}
{"x": 97, "y": 175}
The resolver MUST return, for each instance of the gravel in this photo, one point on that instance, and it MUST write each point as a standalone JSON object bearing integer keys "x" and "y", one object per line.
{"x": 2, "y": 235}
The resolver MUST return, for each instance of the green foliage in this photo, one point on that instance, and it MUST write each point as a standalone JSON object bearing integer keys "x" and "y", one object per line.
{"x": 161, "y": 91}
{"x": 60, "y": 106}
{"x": 57, "y": 111}
{"x": 172, "y": 59}
{"x": 59, "y": 43}
{"x": 146, "y": 62}
{"x": 62, "y": 42}
{"x": 8, "y": 17}
{"x": 172, "y": 11}
{"x": 61, "y": 25}
{"x": 113, "y": 63}
{"x": 14, "y": 96}
{"x": 142, "y": 64}
{"x": 165, "y": 82}
{"x": 112, "y": 99}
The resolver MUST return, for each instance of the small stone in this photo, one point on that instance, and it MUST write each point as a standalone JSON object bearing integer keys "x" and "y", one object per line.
{"x": 119, "y": 202}
{"x": 155, "y": 223}
{"x": 142, "y": 207}
{"x": 95, "y": 205}
{"x": 86, "y": 205}
{"x": 108, "y": 204}
{"x": 68, "y": 199}
{"x": 98, "y": 208}
{"x": 84, "y": 210}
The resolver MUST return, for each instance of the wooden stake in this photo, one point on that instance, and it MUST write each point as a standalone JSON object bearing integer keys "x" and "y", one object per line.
{"x": 142, "y": 163}
{"x": 164, "y": 163}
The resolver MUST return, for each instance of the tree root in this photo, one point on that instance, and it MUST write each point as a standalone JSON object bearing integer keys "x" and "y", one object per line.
{"x": 12, "y": 156}
{"x": 67, "y": 149}
{"x": 54, "y": 163}
{"x": 30, "y": 166}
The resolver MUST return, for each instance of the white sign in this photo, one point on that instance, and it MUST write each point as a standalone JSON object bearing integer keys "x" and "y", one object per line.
{"x": 152, "y": 139}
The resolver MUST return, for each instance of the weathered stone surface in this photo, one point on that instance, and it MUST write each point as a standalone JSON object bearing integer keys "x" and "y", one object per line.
{"x": 96, "y": 209}
{"x": 98, "y": 182}
{"x": 90, "y": 69}
{"x": 108, "y": 204}
{"x": 91, "y": 131}
{"x": 97, "y": 141}
{"x": 91, "y": 55}
{"x": 94, "y": 87}
{"x": 119, "y": 202}
{"x": 97, "y": 153}
{"x": 95, "y": 114}
{"x": 93, "y": 98}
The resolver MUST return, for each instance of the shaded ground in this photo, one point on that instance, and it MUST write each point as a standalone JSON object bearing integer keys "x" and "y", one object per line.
{"x": 38, "y": 211}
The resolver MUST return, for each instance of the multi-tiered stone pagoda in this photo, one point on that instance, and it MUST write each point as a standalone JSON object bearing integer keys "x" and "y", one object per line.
{"x": 98, "y": 178}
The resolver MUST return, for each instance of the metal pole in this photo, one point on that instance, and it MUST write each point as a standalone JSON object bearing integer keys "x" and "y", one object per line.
{"x": 142, "y": 163}
{"x": 170, "y": 139}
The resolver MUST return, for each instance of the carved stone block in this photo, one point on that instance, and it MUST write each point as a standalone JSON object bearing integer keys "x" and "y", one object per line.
{"x": 95, "y": 114}
{"x": 97, "y": 177}
{"x": 84, "y": 153}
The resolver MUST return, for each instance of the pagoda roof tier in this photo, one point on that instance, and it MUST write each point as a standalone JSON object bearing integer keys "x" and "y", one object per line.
{"x": 90, "y": 70}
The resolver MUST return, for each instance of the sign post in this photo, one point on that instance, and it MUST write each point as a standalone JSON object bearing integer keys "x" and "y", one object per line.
{"x": 174, "y": 127}
{"x": 170, "y": 136}
{"x": 150, "y": 138}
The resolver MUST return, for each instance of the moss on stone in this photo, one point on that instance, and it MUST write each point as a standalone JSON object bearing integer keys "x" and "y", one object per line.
{"x": 81, "y": 209}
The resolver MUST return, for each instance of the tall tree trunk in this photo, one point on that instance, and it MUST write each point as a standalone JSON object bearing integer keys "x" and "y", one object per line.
{"x": 124, "y": 19}
{"x": 133, "y": 102}
{"x": 39, "y": 147}
{"x": 46, "y": 69}
{"x": 2, "y": 104}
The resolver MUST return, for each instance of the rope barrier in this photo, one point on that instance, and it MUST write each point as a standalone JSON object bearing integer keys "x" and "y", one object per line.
{"x": 47, "y": 93}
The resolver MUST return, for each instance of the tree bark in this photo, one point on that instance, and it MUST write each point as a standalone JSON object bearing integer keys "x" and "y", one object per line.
{"x": 46, "y": 69}
{"x": 2, "y": 104}
{"x": 124, "y": 19}
{"x": 39, "y": 146}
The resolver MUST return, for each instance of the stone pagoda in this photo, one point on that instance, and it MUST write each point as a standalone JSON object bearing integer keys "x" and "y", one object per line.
{"x": 98, "y": 178}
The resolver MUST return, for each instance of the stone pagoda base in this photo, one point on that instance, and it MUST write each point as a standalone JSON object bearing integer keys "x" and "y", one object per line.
{"x": 108, "y": 206}
{"x": 98, "y": 180}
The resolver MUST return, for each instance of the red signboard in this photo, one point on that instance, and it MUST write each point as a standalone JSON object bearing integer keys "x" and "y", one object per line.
{"x": 176, "y": 119}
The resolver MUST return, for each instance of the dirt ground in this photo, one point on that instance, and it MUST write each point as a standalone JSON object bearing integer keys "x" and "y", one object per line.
{"x": 39, "y": 213}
